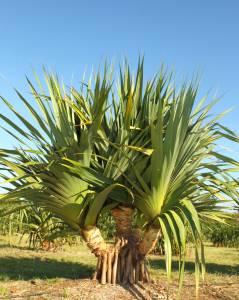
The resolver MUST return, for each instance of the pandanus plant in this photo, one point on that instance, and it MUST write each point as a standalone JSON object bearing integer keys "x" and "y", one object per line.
{"x": 143, "y": 151}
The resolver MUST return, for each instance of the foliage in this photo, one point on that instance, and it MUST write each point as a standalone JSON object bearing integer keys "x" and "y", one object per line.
{"x": 143, "y": 144}
{"x": 106, "y": 223}
{"x": 12, "y": 223}
{"x": 222, "y": 235}
{"x": 38, "y": 226}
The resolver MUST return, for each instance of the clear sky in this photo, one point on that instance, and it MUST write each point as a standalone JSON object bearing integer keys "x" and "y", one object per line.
{"x": 68, "y": 36}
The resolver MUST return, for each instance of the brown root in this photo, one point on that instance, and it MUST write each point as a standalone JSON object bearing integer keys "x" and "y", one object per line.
{"x": 137, "y": 270}
{"x": 141, "y": 271}
{"x": 121, "y": 264}
{"x": 98, "y": 268}
{"x": 128, "y": 265}
{"x": 118, "y": 270}
{"x": 115, "y": 264}
{"x": 109, "y": 269}
{"x": 104, "y": 269}
{"x": 147, "y": 275}
{"x": 132, "y": 275}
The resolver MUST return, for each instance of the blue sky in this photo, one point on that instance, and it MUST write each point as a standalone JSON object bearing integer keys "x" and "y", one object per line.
{"x": 68, "y": 36}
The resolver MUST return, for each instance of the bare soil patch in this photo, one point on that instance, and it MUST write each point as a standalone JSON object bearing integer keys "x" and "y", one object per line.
{"x": 85, "y": 289}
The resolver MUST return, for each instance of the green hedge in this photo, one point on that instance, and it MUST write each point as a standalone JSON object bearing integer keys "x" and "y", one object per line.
{"x": 222, "y": 235}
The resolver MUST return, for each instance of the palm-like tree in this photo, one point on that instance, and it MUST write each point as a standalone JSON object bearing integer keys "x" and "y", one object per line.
{"x": 147, "y": 153}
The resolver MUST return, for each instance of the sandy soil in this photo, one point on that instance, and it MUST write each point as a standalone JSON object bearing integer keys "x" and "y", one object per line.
{"x": 91, "y": 290}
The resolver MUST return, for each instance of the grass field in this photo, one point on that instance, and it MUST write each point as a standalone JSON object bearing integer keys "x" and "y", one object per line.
{"x": 21, "y": 268}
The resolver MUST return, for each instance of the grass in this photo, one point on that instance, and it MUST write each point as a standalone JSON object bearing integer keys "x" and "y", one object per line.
{"x": 18, "y": 264}
{"x": 220, "y": 262}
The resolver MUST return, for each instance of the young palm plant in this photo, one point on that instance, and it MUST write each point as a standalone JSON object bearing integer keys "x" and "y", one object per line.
{"x": 163, "y": 147}
{"x": 145, "y": 152}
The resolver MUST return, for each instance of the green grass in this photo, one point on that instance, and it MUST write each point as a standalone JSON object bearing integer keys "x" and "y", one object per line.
{"x": 221, "y": 264}
{"x": 17, "y": 262}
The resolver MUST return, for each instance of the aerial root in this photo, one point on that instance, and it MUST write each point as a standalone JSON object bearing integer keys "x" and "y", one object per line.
{"x": 120, "y": 265}
{"x": 104, "y": 269}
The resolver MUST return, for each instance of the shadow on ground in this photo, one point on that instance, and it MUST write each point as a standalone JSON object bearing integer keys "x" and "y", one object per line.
{"x": 3, "y": 246}
{"x": 13, "y": 268}
{"x": 212, "y": 268}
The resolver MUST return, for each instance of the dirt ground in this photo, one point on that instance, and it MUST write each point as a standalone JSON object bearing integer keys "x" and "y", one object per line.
{"x": 85, "y": 289}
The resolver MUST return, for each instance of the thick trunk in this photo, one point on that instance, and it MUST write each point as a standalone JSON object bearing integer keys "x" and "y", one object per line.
{"x": 149, "y": 240}
{"x": 94, "y": 240}
{"x": 123, "y": 262}
{"x": 123, "y": 219}
{"x": 131, "y": 267}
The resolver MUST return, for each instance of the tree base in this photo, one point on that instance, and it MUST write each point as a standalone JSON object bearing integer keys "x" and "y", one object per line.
{"x": 121, "y": 264}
